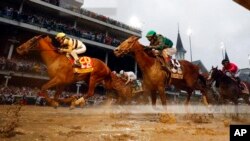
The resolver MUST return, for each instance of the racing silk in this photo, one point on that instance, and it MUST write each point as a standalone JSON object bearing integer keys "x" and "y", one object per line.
{"x": 161, "y": 43}
{"x": 231, "y": 67}
{"x": 72, "y": 43}
{"x": 130, "y": 76}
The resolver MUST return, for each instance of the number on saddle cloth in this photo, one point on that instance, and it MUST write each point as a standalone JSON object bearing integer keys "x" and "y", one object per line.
{"x": 176, "y": 66}
{"x": 86, "y": 62}
{"x": 175, "y": 63}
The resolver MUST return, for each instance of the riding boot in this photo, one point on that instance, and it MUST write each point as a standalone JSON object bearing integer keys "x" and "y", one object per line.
{"x": 239, "y": 83}
{"x": 77, "y": 64}
{"x": 161, "y": 60}
{"x": 167, "y": 66}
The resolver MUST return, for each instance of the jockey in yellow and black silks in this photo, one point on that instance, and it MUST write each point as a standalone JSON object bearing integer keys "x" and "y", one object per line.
{"x": 71, "y": 46}
{"x": 161, "y": 46}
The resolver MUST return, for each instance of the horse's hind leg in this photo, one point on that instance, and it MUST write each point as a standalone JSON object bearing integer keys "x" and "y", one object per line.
{"x": 59, "y": 90}
{"x": 153, "y": 98}
{"x": 189, "y": 92}
{"x": 204, "y": 93}
{"x": 92, "y": 83}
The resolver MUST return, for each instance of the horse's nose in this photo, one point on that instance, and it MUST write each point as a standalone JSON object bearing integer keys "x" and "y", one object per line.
{"x": 116, "y": 49}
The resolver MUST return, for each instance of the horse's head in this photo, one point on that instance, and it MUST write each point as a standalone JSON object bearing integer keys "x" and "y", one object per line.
{"x": 126, "y": 46}
{"x": 214, "y": 74}
{"x": 27, "y": 46}
{"x": 32, "y": 44}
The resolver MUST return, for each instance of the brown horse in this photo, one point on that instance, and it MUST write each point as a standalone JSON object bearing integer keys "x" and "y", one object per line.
{"x": 228, "y": 88}
{"x": 60, "y": 69}
{"x": 125, "y": 92}
{"x": 154, "y": 78}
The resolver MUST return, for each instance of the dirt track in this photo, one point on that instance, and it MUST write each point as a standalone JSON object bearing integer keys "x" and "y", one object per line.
{"x": 48, "y": 124}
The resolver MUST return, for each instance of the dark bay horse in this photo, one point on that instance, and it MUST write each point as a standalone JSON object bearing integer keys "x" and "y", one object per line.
{"x": 228, "y": 88}
{"x": 154, "y": 78}
{"x": 60, "y": 69}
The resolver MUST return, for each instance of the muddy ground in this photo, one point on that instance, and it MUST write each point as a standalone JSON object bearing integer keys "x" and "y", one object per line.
{"x": 35, "y": 123}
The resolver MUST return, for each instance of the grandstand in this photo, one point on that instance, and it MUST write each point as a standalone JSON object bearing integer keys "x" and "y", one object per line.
{"x": 22, "y": 19}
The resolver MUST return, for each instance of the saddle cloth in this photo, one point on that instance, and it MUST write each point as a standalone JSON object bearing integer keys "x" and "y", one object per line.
{"x": 176, "y": 71}
{"x": 86, "y": 65}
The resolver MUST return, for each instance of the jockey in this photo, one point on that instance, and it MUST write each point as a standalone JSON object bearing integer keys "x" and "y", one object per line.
{"x": 71, "y": 46}
{"x": 161, "y": 46}
{"x": 229, "y": 68}
{"x": 129, "y": 75}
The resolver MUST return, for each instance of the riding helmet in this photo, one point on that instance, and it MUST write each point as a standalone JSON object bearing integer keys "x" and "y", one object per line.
{"x": 60, "y": 35}
{"x": 224, "y": 61}
{"x": 151, "y": 33}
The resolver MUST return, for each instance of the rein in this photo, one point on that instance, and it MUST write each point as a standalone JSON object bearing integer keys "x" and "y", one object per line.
{"x": 127, "y": 51}
{"x": 34, "y": 44}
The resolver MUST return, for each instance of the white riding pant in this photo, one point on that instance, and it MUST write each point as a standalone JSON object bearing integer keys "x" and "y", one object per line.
{"x": 79, "y": 50}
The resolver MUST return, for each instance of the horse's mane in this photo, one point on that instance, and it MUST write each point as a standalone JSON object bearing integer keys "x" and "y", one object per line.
{"x": 54, "y": 42}
{"x": 223, "y": 77}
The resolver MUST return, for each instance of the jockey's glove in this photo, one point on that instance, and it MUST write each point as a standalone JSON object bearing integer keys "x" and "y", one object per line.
{"x": 61, "y": 50}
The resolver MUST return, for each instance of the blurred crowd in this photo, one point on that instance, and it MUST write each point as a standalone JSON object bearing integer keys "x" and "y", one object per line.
{"x": 43, "y": 21}
{"x": 97, "y": 16}
{"x": 23, "y": 65}
{"x": 13, "y": 94}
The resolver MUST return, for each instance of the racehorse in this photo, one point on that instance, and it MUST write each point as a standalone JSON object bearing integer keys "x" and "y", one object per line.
{"x": 125, "y": 91}
{"x": 60, "y": 69}
{"x": 154, "y": 78}
{"x": 228, "y": 88}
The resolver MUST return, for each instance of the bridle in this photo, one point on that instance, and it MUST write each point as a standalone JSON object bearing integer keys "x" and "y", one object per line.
{"x": 218, "y": 74}
{"x": 34, "y": 43}
{"x": 130, "y": 46}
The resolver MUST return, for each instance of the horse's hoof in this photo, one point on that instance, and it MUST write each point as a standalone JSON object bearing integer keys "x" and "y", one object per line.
{"x": 72, "y": 107}
{"x": 55, "y": 104}
{"x": 80, "y": 101}
{"x": 82, "y": 104}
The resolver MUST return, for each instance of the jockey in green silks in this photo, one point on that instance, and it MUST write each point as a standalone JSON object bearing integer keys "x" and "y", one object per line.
{"x": 161, "y": 46}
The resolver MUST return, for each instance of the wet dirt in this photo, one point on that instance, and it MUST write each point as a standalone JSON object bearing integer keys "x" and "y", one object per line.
{"x": 86, "y": 124}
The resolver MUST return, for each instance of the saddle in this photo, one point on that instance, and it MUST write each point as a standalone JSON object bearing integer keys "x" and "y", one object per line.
{"x": 172, "y": 66}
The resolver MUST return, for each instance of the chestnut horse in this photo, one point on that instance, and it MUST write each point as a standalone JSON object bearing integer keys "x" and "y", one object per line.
{"x": 60, "y": 69}
{"x": 125, "y": 92}
{"x": 154, "y": 78}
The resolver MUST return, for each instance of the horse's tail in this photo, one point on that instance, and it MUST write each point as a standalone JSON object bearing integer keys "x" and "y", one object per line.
{"x": 202, "y": 80}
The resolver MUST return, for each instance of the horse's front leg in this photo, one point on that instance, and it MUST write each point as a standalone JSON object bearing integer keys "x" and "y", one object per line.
{"x": 162, "y": 96}
{"x": 52, "y": 83}
{"x": 59, "y": 90}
